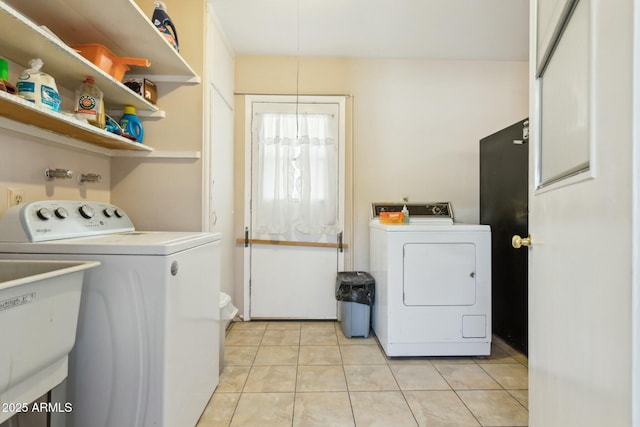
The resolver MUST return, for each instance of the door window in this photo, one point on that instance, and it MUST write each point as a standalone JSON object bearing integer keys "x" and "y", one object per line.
{"x": 296, "y": 171}
{"x": 565, "y": 147}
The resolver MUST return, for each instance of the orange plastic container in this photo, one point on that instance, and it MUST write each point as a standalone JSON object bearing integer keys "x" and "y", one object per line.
{"x": 111, "y": 64}
{"x": 391, "y": 218}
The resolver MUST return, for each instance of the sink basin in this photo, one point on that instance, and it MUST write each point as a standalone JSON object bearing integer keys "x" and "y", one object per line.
{"x": 39, "y": 303}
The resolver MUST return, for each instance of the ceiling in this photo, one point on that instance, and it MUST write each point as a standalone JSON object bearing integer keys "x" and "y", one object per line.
{"x": 405, "y": 29}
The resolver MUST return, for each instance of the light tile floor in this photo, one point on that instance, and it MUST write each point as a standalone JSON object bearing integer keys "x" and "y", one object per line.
{"x": 308, "y": 374}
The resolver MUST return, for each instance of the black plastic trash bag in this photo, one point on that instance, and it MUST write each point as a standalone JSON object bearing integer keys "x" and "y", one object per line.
{"x": 355, "y": 286}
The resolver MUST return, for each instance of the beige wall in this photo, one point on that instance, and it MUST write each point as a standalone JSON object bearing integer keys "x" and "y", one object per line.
{"x": 415, "y": 125}
{"x": 166, "y": 194}
{"x": 23, "y": 161}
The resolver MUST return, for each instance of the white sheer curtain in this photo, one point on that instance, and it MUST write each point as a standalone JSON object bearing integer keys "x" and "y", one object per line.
{"x": 297, "y": 183}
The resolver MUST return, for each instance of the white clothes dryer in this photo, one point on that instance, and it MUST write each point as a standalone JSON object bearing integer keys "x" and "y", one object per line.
{"x": 147, "y": 343}
{"x": 433, "y": 283}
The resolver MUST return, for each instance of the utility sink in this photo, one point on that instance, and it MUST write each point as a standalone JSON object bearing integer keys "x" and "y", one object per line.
{"x": 39, "y": 304}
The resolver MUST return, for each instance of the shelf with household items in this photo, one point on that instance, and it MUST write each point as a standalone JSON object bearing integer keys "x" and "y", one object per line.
{"x": 28, "y": 118}
{"x": 120, "y": 25}
{"x": 35, "y": 28}
{"x": 63, "y": 63}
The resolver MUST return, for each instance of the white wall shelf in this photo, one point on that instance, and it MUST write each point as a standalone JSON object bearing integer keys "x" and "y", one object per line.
{"x": 64, "y": 64}
{"x": 120, "y": 25}
{"x": 194, "y": 155}
{"x": 117, "y": 112}
{"x": 45, "y": 28}
{"x": 25, "y": 117}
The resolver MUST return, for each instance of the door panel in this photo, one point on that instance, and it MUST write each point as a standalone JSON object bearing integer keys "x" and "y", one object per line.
{"x": 581, "y": 257}
{"x": 504, "y": 164}
{"x": 296, "y": 204}
{"x": 439, "y": 274}
{"x": 290, "y": 282}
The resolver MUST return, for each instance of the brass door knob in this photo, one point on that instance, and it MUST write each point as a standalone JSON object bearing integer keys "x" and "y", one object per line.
{"x": 518, "y": 242}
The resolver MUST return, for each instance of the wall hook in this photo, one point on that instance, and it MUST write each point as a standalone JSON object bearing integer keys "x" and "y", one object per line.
{"x": 89, "y": 177}
{"x": 50, "y": 174}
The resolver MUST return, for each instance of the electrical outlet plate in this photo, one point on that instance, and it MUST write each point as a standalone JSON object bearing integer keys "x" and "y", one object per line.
{"x": 15, "y": 196}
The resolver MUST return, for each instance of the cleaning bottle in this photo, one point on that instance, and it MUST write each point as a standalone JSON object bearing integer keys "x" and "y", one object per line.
{"x": 4, "y": 74}
{"x": 405, "y": 212}
{"x": 164, "y": 24}
{"x": 90, "y": 103}
{"x": 131, "y": 124}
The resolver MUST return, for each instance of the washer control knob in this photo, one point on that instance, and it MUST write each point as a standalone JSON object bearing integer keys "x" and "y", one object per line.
{"x": 44, "y": 214}
{"x": 62, "y": 213}
{"x": 86, "y": 211}
{"x": 119, "y": 213}
{"x": 108, "y": 212}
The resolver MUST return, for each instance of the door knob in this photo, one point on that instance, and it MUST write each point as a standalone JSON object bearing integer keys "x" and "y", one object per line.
{"x": 517, "y": 241}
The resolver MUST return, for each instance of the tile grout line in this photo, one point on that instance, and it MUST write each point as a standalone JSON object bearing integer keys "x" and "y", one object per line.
{"x": 457, "y": 395}
{"x": 346, "y": 383}
{"x": 235, "y": 408}
{"x": 481, "y": 389}
{"x": 253, "y": 360}
{"x": 503, "y": 387}
{"x": 295, "y": 383}
{"x": 396, "y": 380}
{"x": 387, "y": 359}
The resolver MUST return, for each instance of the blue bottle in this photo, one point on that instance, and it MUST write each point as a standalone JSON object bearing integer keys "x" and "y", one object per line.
{"x": 163, "y": 23}
{"x": 130, "y": 123}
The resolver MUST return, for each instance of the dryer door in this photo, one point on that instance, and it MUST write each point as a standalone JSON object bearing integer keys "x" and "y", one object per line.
{"x": 439, "y": 274}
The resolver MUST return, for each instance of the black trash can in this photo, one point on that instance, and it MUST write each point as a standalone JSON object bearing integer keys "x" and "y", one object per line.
{"x": 355, "y": 291}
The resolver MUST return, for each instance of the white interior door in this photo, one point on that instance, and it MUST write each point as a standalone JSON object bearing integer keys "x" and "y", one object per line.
{"x": 580, "y": 263}
{"x": 296, "y": 206}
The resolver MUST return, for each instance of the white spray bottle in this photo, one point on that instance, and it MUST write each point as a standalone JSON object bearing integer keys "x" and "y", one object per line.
{"x": 405, "y": 211}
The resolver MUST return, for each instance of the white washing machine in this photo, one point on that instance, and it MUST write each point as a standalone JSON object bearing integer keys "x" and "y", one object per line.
{"x": 433, "y": 283}
{"x": 147, "y": 344}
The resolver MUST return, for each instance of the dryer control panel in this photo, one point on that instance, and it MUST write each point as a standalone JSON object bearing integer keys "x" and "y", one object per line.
{"x": 62, "y": 219}
{"x": 438, "y": 210}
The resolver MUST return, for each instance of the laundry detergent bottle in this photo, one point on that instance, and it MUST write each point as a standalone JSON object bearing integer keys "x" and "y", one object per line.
{"x": 164, "y": 24}
{"x": 130, "y": 123}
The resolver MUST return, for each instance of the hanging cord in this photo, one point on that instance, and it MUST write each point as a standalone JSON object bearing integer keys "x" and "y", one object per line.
{"x": 297, "y": 65}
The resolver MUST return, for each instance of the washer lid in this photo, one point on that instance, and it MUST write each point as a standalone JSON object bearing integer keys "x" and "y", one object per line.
{"x": 132, "y": 243}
